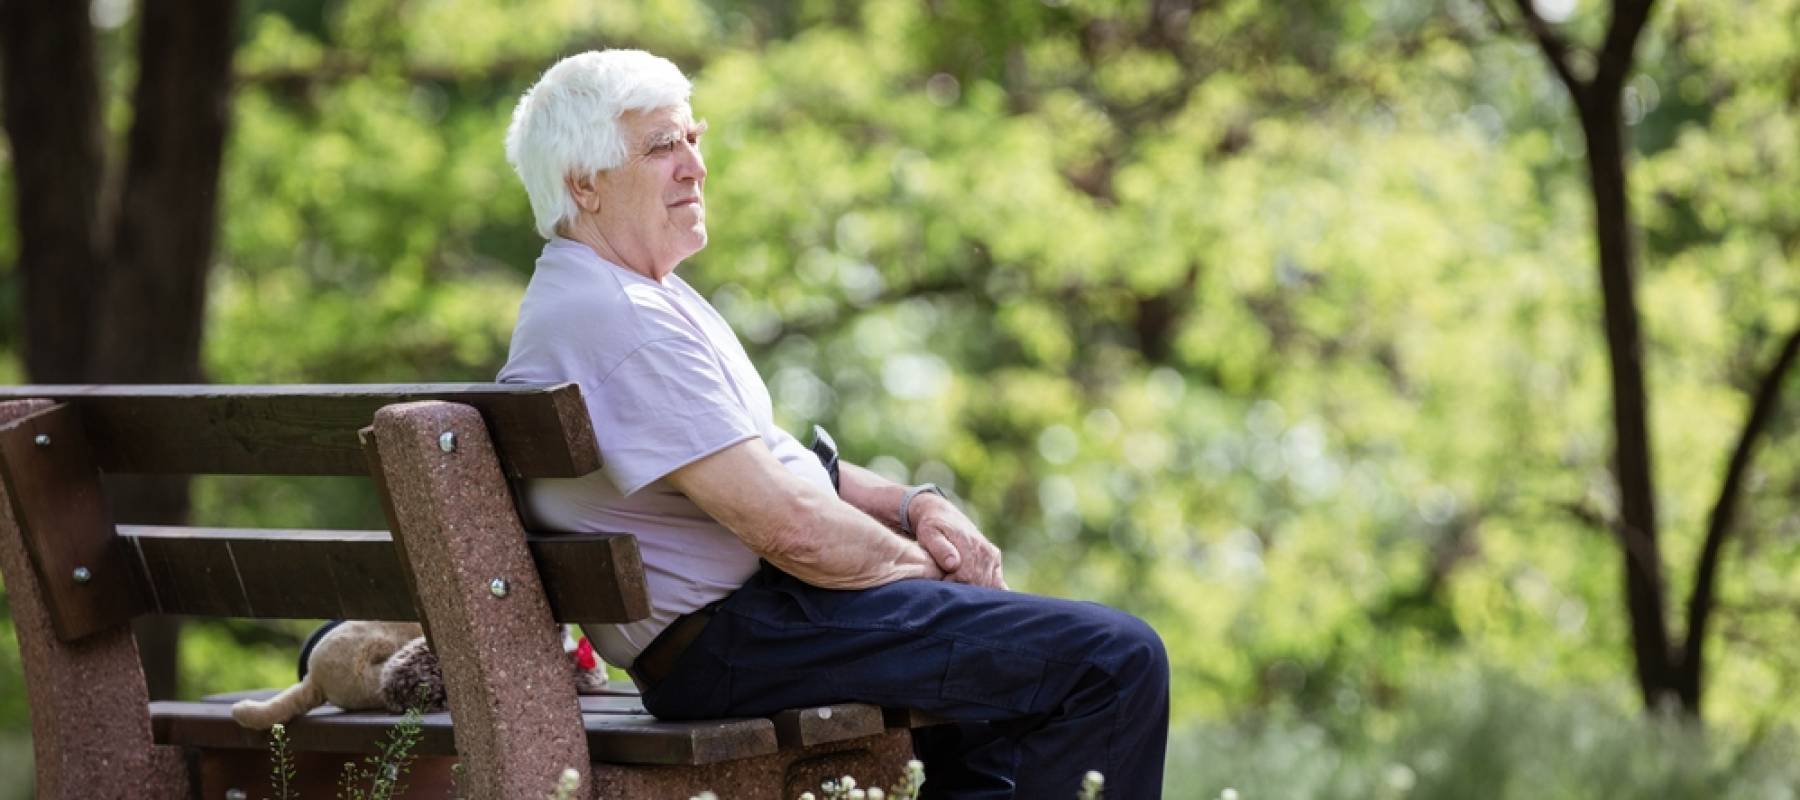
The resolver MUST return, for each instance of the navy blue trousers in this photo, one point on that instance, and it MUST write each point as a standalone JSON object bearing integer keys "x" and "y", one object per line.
{"x": 1041, "y": 689}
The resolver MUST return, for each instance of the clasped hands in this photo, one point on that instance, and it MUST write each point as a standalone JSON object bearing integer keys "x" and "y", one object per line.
{"x": 955, "y": 543}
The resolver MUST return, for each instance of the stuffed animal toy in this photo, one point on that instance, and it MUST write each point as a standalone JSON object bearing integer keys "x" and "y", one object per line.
{"x": 360, "y": 666}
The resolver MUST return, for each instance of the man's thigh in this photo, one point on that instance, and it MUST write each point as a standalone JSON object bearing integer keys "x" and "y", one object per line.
{"x": 958, "y": 651}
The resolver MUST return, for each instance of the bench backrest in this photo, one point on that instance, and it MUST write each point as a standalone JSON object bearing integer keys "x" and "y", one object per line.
{"x": 440, "y": 456}
{"x": 537, "y": 432}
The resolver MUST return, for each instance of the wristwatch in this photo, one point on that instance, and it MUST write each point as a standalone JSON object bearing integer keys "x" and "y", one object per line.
{"x": 825, "y": 448}
{"x": 906, "y": 502}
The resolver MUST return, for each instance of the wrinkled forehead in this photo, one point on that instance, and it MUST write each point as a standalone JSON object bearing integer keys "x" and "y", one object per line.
{"x": 638, "y": 125}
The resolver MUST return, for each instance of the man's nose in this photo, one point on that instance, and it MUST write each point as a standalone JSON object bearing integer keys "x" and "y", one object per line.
{"x": 691, "y": 166}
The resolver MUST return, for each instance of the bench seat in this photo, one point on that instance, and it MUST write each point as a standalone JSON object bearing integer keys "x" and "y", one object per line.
{"x": 635, "y": 754}
{"x": 618, "y": 729}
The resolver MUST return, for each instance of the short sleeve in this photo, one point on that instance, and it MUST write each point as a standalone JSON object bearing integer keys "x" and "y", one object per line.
{"x": 666, "y": 405}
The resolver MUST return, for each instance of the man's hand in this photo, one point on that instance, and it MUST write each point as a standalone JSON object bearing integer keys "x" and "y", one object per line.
{"x": 955, "y": 543}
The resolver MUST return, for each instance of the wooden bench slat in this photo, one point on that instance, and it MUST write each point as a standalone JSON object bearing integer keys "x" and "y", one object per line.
{"x": 805, "y": 727}
{"x": 247, "y": 572}
{"x": 611, "y": 704}
{"x": 643, "y": 739}
{"x": 794, "y": 728}
{"x": 540, "y": 431}
{"x": 328, "y": 729}
{"x": 590, "y": 704}
{"x": 619, "y": 738}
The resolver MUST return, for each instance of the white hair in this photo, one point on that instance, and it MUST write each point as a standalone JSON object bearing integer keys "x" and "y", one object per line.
{"x": 568, "y": 123}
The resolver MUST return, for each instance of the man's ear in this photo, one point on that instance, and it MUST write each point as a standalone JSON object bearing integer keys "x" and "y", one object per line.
{"x": 584, "y": 190}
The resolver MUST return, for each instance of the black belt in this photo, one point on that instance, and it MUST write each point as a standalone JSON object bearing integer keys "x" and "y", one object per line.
{"x": 654, "y": 664}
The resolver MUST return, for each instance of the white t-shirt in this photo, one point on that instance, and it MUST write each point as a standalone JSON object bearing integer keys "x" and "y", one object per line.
{"x": 666, "y": 383}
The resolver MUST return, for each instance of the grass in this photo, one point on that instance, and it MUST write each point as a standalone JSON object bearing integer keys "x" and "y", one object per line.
{"x": 1486, "y": 736}
{"x": 16, "y": 769}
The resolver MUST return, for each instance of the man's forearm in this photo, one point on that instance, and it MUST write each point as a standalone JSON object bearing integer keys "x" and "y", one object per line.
{"x": 837, "y": 546}
{"x": 798, "y": 526}
{"x": 871, "y": 494}
{"x": 947, "y": 535}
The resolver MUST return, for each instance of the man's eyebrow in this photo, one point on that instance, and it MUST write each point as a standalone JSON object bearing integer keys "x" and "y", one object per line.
{"x": 661, "y": 136}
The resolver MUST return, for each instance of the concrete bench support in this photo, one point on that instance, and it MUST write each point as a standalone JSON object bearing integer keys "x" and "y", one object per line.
{"x": 90, "y": 721}
{"x": 479, "y": 594}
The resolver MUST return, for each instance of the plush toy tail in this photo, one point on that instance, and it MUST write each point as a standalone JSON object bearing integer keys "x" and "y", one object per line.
{"x": 293, "y": 701}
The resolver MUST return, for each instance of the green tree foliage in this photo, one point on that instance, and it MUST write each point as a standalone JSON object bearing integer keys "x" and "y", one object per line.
{"x": 1274, "y": 323}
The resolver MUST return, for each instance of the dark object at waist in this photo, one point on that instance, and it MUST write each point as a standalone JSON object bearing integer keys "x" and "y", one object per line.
{"x": 657, "y": 660}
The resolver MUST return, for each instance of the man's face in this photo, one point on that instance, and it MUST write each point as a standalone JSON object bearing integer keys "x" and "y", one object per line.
{"x": 651, "y": 206}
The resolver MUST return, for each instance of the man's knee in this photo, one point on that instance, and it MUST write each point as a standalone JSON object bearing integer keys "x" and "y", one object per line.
{"x": 1143, "y": 651}
{"x": 1125, "y": 647}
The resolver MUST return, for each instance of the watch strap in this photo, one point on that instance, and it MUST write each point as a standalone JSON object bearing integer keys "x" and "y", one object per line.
{"x": 826, "y": 449}
{"x": 906, "y": 503}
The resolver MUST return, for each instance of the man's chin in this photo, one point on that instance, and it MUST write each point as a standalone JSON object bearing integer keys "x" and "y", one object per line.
{"x": 694, "y": 240}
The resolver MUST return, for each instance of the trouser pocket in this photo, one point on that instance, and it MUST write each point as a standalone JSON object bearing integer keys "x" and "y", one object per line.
{"x": 992, "y": 677}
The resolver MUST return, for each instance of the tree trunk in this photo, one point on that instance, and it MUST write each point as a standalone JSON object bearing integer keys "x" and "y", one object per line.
{"x": 1603, "y": 125}
{"x": 1721, "y": 524}
{"x": 127, "y": 307}
{"x": 52, "y": 103}
{"x": 153, "y": 305}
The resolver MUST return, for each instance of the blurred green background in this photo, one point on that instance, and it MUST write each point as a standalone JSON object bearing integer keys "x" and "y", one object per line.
{"x": 1276, "y": 324}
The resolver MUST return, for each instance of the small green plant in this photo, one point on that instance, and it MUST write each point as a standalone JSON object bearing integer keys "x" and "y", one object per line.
{"x": 281, "y": 763}
{"x": 459, "y": 777}
{"x": 379, "y": 776}
{"x": 1093, "y": 786}
{"x": 912, "y": 782}
{"x": 566, "y": 784}
{"x": 845, "y": 788}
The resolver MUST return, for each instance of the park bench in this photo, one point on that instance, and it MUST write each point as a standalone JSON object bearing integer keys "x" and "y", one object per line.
{"x": 458, "y": 560}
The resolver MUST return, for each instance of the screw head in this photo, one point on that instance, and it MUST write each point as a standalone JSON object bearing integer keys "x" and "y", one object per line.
{"x": 42, "y": 440}
{"x": 498, "y": 587}
{"x": 447, "y": 441}
{"x": 83, "y": 575}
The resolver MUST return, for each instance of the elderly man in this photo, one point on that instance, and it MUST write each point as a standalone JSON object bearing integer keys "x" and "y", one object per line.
{"x": 779, "y": 577}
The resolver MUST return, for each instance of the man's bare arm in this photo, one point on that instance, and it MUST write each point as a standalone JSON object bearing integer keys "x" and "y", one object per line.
{"x": 804, "y": 530}
{"x": 958, "y": 547}
{"x": 872, "y": 494}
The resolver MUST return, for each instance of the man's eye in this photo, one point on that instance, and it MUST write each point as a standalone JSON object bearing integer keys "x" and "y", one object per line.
{"x": 662, "y": 147}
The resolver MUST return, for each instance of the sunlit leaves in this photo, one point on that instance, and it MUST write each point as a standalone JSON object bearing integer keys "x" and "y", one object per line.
{"x": 1273, "y": 322}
